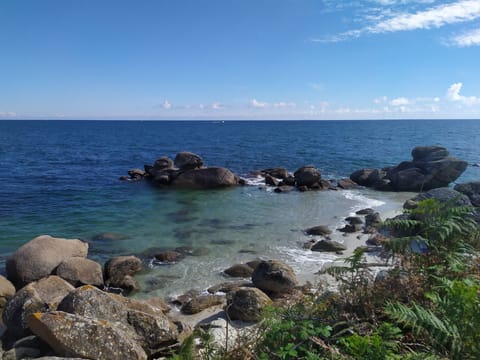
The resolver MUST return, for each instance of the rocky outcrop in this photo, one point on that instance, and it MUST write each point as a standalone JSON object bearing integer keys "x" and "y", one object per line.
{"x": 187, "y": 171}
{"x": 430, "y": 168}
{"x": 447, "y": 196}
{"x": 274, "y": 276}
{"x": 247, "y": 304}
{"x": 472, "y": 190}
{"x": 39, "y": 258}
{"x": 307, "y": 176}
{"x": 7, "y": 291}
{"x": 205, "y": 178}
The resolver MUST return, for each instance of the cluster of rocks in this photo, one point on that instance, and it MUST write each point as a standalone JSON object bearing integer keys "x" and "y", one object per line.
{"x": 303, "y": 179}
{"x": 430, "y": 168}
{"x": 54, "y": 304}
{"x": 367, "y": 220}
{"x": 245, "y": 300}
{"x": 186, "y": 171}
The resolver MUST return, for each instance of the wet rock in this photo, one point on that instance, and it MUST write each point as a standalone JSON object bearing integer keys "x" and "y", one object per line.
{"x": 320, "y": 230}
{"x": 37, "y": 296}
{"x": 169, "y": 256}
{"x": 201, "y": 303}
{"x": 367, "y": 211}
{"x": 247, "y": 304}
{"x": 80, "y": 271}
{"x": 271, "y": 181}
{"x": 39, "y": 257}
{"x": 354, "y": 220}
{"x": 278, "y": 173}
{"x": 328, "y": 246}
{"x": 205, "y": 178}
{"x": 239, "y": 270}
{"x": 284, "y": 189}
{"x": 346, "y": 184}
{"x": 188, "y": 161}
{"x": 108, "y": 236}
{"x": 274, "y": 276}
{"x": 78, "y": 336}
{"x": 307, "y": 176}
{"x": 351, "y": 228}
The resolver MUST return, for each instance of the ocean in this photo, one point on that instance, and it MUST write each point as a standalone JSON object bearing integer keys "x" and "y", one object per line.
{"x": 62, "y": 178}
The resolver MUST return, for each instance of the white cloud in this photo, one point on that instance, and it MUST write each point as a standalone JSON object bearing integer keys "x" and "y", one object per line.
{"x": 453, "y": 94}
{"x": 401, "y": 101}
{"x": 283, "y": 104}
{"x": 166, "y": 105}
{"x": 470, "y": 38}
{"x": 259, "y": 104}
{"x": 434, "y": 17}
{"x": 7, "y": 114}
{"x": 380, "y": 100}
{"x": 217, "y": 106}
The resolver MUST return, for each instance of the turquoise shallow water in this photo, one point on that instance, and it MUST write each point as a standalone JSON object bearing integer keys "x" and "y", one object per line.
{"x": 61, "y": 178}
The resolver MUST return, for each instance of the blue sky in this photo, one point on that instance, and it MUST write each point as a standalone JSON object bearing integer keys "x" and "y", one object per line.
{"x": 239, "y": 59}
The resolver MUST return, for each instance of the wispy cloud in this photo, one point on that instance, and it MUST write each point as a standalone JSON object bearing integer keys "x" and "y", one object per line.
{"x": 453, "y": 94}
{"x": 433, "y": 17}
{"x": 166, "y": 105}
{"x": 469, "y": 38}
{"x": 7, "y": 114}
{"x": 258, "y": 104}
{"x": 401, "y": 101}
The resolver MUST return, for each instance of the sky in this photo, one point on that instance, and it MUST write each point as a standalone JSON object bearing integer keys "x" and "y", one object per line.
{"x": 239, "y": 59}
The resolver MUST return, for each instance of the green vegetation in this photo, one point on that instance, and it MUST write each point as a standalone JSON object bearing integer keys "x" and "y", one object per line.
{"x": 427, "y": 306}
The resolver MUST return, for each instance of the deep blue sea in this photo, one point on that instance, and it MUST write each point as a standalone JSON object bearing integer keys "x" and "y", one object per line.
{"x": 62, "y": 178}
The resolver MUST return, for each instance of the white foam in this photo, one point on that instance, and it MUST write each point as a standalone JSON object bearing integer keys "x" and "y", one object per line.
{"x": 363, "y": 201}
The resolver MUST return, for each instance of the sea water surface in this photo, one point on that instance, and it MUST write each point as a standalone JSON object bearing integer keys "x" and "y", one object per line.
{"x": 62, "y": 178}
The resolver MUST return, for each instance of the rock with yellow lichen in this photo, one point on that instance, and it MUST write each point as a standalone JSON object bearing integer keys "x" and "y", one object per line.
{"x": 72, "y": 335}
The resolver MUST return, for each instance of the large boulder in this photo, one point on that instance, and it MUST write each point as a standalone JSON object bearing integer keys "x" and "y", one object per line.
{"x": 320, "y": 230}
{"x": 307, "y": 176}
{"x": 247, "y": 304}
{"x": 187, "y": 161}
{"x": 239, "y": 270}
{"x": 80, "y": 271}
{"x": 472, "y": 190}
{"x": 430, "y": 168}
{"x": 274, "y": 276}
{"x": 200, "y": 303}
{"x": 39, "y": 257}
{"x": 37, "y": 296}
{"x": 205, "y": 178}
{"x": 71, "y": 335}
{"x": 151, "y": 328}
{"x": 447, "y": 196}
{"x": 279, "y": 173}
